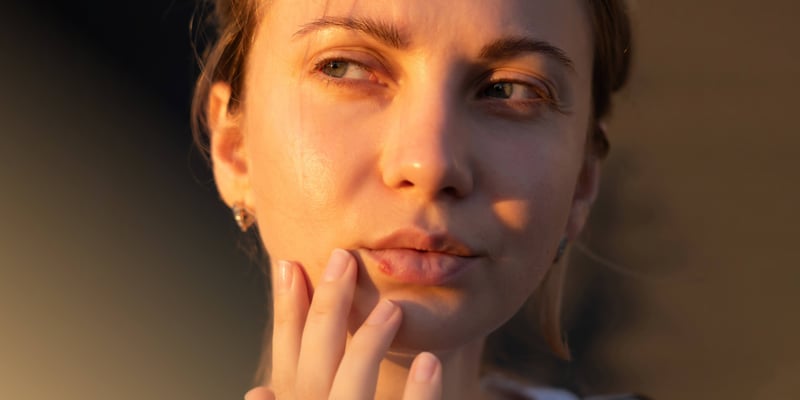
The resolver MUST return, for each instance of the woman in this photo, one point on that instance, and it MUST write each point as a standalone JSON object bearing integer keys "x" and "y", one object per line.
{"x": 416, "y": 170}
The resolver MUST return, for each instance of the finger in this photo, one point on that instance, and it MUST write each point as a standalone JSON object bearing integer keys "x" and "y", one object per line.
{"x": 425, "y": 379}
{"x": 259, "y": 393}
{"x": 290, "y": 307}
{"x": 358, "y": 371}
{"x": 325, "y": 330}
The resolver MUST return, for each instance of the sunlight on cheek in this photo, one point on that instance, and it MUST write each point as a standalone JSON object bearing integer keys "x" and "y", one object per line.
{"x": 315, "y": 180}
{"x": 513, "y": 214}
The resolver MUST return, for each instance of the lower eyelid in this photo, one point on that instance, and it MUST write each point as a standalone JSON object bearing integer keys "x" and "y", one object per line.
{"x": 524, "y": 110}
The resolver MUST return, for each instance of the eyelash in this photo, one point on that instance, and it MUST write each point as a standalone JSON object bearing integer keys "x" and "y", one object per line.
{"x": 544, "y": 95}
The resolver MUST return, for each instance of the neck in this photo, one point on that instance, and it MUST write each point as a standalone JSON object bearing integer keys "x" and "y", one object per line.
{"x": 460, "y": 373}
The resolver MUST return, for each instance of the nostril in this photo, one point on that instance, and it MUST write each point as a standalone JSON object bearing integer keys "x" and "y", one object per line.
{"x": 406, "y": 184}
{"x": 447, "y": 191}
{"x": 451, "y": 191}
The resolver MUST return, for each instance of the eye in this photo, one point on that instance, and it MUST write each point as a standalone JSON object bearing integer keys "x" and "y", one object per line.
{"x": 526, "y": 97}
{"x": 513, "y": 91}
{"x": 344, "y": 69}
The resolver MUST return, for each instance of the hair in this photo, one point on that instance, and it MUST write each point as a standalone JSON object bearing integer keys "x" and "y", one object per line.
{"x": 232, "y": 25}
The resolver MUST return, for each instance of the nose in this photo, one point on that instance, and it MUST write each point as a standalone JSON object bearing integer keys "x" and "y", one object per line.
{"x": 427, "y": 151}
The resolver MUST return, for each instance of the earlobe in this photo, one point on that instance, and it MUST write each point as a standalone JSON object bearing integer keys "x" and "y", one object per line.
{"x": 228, "y": 155}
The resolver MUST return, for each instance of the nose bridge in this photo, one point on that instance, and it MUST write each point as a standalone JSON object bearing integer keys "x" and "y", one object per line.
{"x": 427, "y": 148}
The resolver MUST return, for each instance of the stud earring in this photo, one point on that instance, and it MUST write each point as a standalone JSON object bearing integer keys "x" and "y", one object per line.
{"x": 562, "y": 247}
{"x": 245, "y": 219}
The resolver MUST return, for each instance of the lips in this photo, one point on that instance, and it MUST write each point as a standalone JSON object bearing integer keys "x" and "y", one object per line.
{"x": 415, "y": 256}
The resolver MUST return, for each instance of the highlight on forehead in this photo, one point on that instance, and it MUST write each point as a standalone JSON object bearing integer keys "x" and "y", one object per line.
{"x": 387, "y": 33}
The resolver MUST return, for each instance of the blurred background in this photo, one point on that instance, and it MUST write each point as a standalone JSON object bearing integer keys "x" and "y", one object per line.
{"x": 120, "y": 270}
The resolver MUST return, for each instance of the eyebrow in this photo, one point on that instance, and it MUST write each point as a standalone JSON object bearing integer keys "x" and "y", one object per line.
{"x": 386, "y": 33}
{"x": 515, "y": 46}
{"x": 390, "y": 35}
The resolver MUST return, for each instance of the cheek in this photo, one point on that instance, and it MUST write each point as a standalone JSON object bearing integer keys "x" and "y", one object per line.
{"x": 288, "y": 170}
{"x": 294, "y": 151}
{"x": 308, "y": 162}
{"x": 290, "y": 175}
{"x": 312, "y": 180}
{"x": 536, "y": 204}
{"x": 512, "y": 214}
{"x": 531, "y": 183}
{"x": 530, "y": 229}
{"x": 533, "y": 190}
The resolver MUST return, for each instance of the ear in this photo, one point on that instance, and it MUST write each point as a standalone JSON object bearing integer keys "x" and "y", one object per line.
{"x": 586, "y": 187}
{"x": 228, "y": 155}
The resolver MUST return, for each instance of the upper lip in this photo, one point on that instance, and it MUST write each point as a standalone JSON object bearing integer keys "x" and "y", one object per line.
{"x": 422, "y": 240}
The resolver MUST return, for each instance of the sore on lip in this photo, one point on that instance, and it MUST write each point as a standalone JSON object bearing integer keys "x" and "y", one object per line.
{"x": 419, "y": 267}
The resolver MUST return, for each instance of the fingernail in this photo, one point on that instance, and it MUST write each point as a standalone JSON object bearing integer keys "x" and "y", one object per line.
{"x": 259, "y": 393}
{"x": 285, "y": 273}
{"x": 381, "y": 313}
{"x": 336, "y": 265}
{"x": 424, "y": 367}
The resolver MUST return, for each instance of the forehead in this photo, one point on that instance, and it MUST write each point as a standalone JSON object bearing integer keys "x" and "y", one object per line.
{"x": 453, "y": 23}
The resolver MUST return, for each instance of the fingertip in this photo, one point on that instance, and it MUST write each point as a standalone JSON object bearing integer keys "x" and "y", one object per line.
{"x": 290, "y": 281}
{"x": 342, "y": 254}
{"x": 425, "y": 368}
{"x": 338, "y": 263}
{"x": 425, "y": 378}
{"x": 259, "y": 393}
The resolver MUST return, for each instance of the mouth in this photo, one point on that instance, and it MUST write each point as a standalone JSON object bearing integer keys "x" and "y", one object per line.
{"x": 415, "y": 256}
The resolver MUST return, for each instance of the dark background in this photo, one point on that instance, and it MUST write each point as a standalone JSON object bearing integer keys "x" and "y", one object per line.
{"x": 121, "y": 276}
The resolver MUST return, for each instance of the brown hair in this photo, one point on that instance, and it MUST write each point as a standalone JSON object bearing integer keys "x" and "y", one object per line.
{"x": 234, "y": 23}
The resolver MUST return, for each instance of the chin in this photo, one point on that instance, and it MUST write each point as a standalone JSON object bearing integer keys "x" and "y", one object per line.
{"x": 435, "y": 319}
{"x": 423, "y": 330}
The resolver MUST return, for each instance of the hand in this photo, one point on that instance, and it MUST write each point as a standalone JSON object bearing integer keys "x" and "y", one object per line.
{"x": 309, "y": 356}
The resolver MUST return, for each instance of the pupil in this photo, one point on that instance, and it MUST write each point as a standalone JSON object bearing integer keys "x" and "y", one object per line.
{"x": 502, "y": 90}
{"x": 336, "y": 69}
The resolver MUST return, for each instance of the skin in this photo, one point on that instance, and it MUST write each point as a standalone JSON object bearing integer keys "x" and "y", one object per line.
{"x": 342, "y": 138}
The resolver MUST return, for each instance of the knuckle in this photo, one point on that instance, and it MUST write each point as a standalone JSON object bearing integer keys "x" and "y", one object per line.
{"x": 322, "y": 309}
{"x": 285, "y": 317}
{"x": 310, "y": 390}
{"x": 325, "y": 304}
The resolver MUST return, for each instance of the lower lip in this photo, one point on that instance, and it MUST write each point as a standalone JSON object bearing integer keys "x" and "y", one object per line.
{"x": 419, "y": 267}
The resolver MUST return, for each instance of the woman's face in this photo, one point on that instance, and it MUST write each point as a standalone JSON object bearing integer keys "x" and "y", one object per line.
{"x": 440, "y": 142}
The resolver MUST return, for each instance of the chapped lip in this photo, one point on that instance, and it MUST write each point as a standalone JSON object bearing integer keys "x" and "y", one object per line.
{"x": 424, "y": 241}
